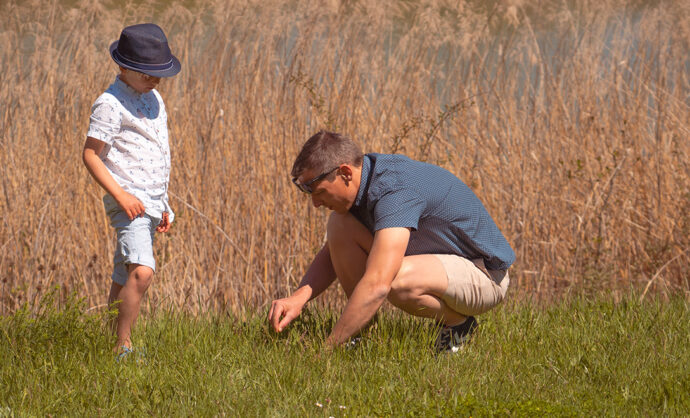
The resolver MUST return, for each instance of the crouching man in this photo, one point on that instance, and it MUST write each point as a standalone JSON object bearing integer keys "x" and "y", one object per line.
{"x": 401, "y": 230}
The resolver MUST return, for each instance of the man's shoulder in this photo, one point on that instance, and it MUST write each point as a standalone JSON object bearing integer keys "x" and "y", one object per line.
{"x": 386, "y": 164}
{"x": 387, "y": 173}
{"x": 387, "y": 158}
{"x": 396, "y": 166}
{"x": 397, "y": 172}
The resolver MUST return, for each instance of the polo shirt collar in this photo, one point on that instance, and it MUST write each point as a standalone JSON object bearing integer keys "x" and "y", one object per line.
{"x": 364, "y": 180}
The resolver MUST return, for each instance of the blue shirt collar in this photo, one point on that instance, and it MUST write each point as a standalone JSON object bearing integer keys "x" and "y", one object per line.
{"x": 366, "y": 166}
{"x": 125, "y": 88}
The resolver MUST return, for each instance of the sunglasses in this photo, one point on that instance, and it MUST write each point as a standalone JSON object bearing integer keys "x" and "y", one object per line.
{"x": 306, "y": 186}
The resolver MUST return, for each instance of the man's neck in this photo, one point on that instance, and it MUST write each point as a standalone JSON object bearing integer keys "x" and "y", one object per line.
{"x": 355, "y": 183}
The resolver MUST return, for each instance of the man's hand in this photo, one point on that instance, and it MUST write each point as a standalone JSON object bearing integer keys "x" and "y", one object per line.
{"x": 130, "y": 204}
{"x": 319, "y": 276}
{"x": 283, "y": 311}
{"x": 164, "y": 225}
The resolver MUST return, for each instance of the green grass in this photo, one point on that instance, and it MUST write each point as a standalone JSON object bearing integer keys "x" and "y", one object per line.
{"x": 580, "y": 357}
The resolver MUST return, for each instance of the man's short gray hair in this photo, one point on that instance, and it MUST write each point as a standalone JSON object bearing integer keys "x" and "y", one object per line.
{"x": 324, "y": 151}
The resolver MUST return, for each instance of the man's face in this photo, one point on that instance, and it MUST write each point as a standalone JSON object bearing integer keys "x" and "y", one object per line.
{"x": 336, "y": 194}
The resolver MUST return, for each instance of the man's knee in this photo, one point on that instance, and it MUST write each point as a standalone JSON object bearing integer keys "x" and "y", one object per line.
{"x": 345, "y": 228}
{"x": 404, "y": 289}
{"x": 340, "y": 224}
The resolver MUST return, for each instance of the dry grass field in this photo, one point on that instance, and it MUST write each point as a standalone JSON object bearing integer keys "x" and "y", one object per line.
{"x": 571, "y": 123}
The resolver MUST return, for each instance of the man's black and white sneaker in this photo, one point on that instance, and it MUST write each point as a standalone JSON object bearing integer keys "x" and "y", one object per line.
{"x": 353, "y": 343}
{"x": 450, "y": 339}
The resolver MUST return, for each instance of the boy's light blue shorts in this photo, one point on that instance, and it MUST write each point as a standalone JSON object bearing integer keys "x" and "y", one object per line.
{"x": 134, "y": 240}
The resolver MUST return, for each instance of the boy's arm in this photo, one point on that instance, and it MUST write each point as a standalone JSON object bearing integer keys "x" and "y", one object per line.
{"x": 164, "y": 224}
{"x": 130, "y": 204}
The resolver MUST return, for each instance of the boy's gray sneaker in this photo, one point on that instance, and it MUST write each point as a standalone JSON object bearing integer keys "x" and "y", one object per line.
{"x": 123, "y": 354}
{"x": 127, "y": 353}
{"x": 450, "y": 339}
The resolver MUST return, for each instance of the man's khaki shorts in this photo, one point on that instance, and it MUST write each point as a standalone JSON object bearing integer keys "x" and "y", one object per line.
{"x": 472, "y": 288}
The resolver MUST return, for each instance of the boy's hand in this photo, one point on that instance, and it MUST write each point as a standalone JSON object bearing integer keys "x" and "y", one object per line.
{"x": 164, "y": 225}
{"x": 131, "y": 205}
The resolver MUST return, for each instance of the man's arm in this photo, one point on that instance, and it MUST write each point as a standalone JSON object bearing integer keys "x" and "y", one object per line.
{"x": 383, "y": 263}
{"x": 318, "y": 277}
{"x": 130, "y": 204}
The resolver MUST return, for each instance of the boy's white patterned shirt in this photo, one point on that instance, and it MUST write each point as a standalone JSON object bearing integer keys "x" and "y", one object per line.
{"x": 134, "y": 127}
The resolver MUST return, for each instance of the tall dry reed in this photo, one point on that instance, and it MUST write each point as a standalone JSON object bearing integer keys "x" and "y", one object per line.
{"x": 571, "y": 124}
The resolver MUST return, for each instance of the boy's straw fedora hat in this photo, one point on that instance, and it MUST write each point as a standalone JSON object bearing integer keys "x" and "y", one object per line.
{"x": 144, "y": 48}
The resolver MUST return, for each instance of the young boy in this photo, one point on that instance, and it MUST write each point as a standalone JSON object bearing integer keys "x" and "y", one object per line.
{"x": 127, "y": 153}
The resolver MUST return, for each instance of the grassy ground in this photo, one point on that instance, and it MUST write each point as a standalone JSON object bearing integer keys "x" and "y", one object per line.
{"x": 581, "y": 357}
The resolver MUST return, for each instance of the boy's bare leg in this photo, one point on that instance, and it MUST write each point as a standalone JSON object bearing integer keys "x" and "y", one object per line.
{"x": 130, "y": 296}
{"x": 113, "y": 297}
{"x": 416, "y": 289}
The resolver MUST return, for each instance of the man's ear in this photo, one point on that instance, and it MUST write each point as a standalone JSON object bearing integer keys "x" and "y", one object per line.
{"x": 345, "y": 171}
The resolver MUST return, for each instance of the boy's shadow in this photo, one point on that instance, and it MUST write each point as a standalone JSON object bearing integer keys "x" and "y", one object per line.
{"x": 147, "y": 108}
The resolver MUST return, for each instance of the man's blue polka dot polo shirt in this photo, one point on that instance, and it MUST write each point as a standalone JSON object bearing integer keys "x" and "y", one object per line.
{"x": 444, "y": 215}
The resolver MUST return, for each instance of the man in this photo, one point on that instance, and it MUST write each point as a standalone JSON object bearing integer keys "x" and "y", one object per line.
{"x": 401, "y": 230}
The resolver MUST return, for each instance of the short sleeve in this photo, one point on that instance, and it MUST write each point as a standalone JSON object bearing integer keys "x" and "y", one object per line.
{"x": 105, "y": 121}
{"x": 400, "y": 208}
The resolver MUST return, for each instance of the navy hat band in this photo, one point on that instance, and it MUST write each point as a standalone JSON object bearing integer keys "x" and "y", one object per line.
{"x": 143, "y": 65}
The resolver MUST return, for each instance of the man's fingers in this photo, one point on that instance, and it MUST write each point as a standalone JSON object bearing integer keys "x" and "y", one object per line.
{"x": 281, "y": 314}
{"x": 275, "y": 316}
{"x": 289, "y": 316}
{"x": 270, "y": 311}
